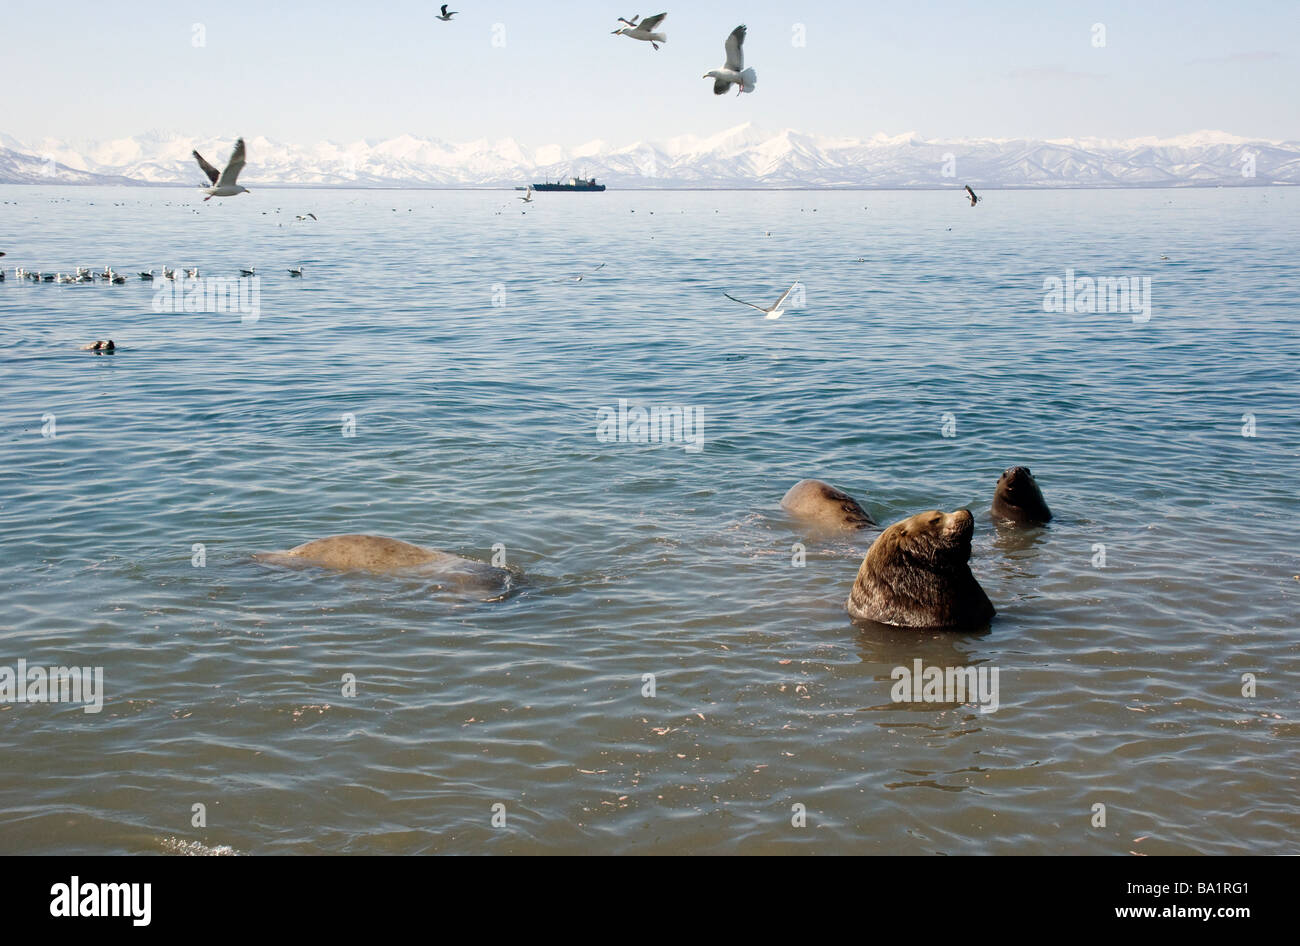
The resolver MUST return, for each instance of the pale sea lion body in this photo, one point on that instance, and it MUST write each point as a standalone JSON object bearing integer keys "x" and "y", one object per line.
{"x": 916, "y": 574}
{"x": 382, "y": 555}
{"x": 1018, "y": 498}
{"x": 823, "y": 505}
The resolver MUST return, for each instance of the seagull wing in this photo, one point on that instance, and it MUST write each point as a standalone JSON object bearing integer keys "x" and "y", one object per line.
{"x": 208, "y": 169}
{"x": 444, "y": 9}
{"x": 784, "y": 296}
{"x": 743, "y": 302}
{"x": 720, "y": 86}
{"x": 736, "y": 55}
{"x": 650, "y": 22}
{"x": 233, "y": 166}
{"x": 969, "y": 191}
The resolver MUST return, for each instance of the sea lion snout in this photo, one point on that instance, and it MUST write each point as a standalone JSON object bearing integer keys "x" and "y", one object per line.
{"x": 960, "y": 524}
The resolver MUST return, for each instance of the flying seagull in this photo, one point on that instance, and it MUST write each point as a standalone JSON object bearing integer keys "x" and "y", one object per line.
{"x": 773, "y": 311}
{"x": 581, "y": 276}
{"x": 734, "y": 72}
{"x": 528, "y": 198}
{"x": 305, "y": 216}
{"x": 971, "y": 194}
{"x": 223, "y": 183}
{"x": 446, "y": 17}
{"x": 644, "y": 31}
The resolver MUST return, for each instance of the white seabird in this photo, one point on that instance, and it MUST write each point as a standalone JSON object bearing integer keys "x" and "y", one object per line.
{"x": 445, "y": 16}
{"x": 773, "y": 311}
{"x": 644, "y": 31}
{"x": 296, "y": 272}
{"x": 528, "y": 198}
{"x": 734, "y": 72}
{"x": 223, "y": 183}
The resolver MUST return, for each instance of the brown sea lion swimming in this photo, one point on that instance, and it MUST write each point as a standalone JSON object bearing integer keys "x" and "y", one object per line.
{"x": 381, "y": 555}
{"x": 1018, "y": 498}
{"x": 822, "y": 505}
{"x": 100, "y": 346}
{"x": 916, "y": 574}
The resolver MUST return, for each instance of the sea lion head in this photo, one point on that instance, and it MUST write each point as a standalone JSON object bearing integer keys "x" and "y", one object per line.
{"x": 935, "y": 539}
{"x": 1019, "y": 499}
{"x": 916, "y": 574}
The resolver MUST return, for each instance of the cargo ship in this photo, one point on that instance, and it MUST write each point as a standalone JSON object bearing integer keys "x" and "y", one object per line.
{"x": 574, "y": 184}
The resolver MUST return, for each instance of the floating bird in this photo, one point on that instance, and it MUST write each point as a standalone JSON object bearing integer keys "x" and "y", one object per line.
{"x": 169, "y": 273}
{"x": 971, "y": 194}
{"x": 118, "y": 279}
{"x": 446, "y": 16}
{"x": 248, "y": 272}
{"x": 581, "y": 276}
{"x": 734, "y": 72}
{"x": 771, "y": 312}
{"x": 645, "y": 31}
{"x": 192, "y": 273}
{"x": 147, "y": 277}
{"x": 296, "y": 272}
{"x": 223, "y": 183}
{"x": 528, "y": 198}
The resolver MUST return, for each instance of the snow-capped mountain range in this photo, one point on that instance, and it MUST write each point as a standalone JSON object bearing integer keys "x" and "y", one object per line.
{"x": 742, "y": 157}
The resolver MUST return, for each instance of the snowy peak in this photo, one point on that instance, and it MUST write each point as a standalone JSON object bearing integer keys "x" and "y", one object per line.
{"x": 743, "y": 156}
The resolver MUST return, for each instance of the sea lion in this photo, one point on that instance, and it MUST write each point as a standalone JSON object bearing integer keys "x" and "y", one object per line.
{"x": 100, "y": 346}
{"x": 823, "y": 505}
{"x": 916, "y": 575}
{"x": 1018, "y": 498}
{"x": 382, "y": 555}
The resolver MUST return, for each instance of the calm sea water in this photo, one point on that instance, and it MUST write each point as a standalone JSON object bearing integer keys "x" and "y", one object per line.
{"x": 450, "y": 327}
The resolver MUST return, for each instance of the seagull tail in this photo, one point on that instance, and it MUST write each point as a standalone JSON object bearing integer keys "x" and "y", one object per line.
{"x": 748, "y": 79}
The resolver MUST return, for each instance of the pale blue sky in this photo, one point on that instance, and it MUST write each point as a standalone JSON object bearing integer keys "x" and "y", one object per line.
{"x": 302, "y": 72}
